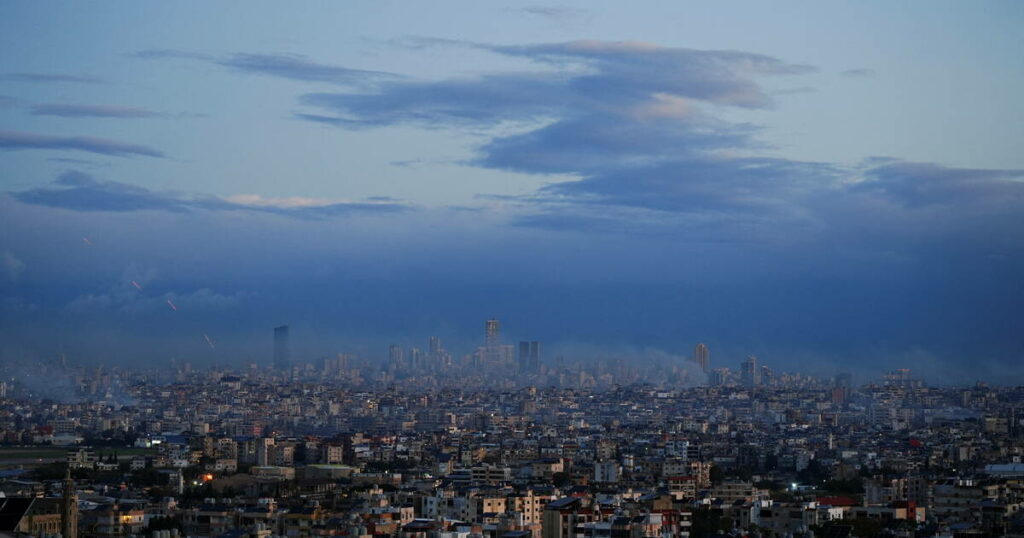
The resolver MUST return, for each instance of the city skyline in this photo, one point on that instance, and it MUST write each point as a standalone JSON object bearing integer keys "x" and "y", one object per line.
{"x": 826, "y": 187}
{"x": 410, "y": 359}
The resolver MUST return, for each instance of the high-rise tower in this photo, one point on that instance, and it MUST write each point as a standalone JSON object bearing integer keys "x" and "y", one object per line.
{"x": 492, "y": 338}
{"x": 282, "y": 351}
{"x": 702, "y": 358}
{"x": 493, "y": 353}
{"x": 751, "y": 373}
{"x": 439, "y": 358}
{"x": 396, "y": 357}
{"x": 529, "y": 357}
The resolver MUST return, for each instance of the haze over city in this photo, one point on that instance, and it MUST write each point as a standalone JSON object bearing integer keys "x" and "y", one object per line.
{"x": 832, "y": 187}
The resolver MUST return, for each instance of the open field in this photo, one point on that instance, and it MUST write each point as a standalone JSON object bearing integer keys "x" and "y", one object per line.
{"x": 28, "y": 455}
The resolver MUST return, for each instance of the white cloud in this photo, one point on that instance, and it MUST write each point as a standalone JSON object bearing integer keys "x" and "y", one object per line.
{"x": 662, "y": 105}
{"x": 256, "y": 200}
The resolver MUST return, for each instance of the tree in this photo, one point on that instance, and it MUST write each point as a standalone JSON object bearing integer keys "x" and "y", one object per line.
{"x": 709, "y": 523}
{"x": 865, "y": 527}
{"x": 814, "y": 473}
{"x": 148, "y": 477}
{"x": 716, "y": 474}
{"x": 165, "y": 524}
{"x": 850, "y": 486}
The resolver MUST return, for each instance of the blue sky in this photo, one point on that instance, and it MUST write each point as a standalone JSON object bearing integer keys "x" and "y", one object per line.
{"x": 819, "y": 184}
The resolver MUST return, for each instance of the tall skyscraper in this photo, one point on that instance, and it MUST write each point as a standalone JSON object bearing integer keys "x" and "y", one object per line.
{"x": 702, "y": 358}
{"x": 493, "y": 353}
{"x": 529, "y": 356}
{"x": 439, "y": 358}
{"x": 492, "y": 338}
{"x": 718, "y": 377}
{"x": 282, "y": 350}
{"x": 751, "y": 373}
{"x": 395, "y": 357}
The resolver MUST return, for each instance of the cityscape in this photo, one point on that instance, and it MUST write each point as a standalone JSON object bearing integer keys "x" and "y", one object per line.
{"x": 511, "y": 269}
{"x": 504, "y": 441}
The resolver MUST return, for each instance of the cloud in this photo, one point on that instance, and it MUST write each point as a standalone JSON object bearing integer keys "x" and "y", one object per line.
{"x": 48, "y": 77}
{"x": 928, "y": 184}
{"x": 147, "y": 296}
{"x": 297, "y": 67}
{"x": 795, "y": 91}
{"x": 858, "y": 73}
{"x": 156, "y": 54}
{"x": 636, "y": 70}
{"x": 81, "y": 192}
{"x": 635, "y": 123}
{"x": 139, "y": 274}
{"x": 16, "y": 140}
{"x": 280, "y": 65}
{"x": 598, "y": 143}
{"x": 593, "y": 78}
{"x": 78, "y": 191}
{"x": 92, "y": 111}
{"x": 409, "y": 163}
{"x": 11, "y": 265}
{"x": 126, "y": 299}
{"x": 76, "y": 162}
{"x": 314, "y": 207}
{"x": 484, "y": 101}
{"x": 556, "y": 13}
{"x": 331, "y": 120}
{"x": 634, "y": 137}
{"x": 703, "y": 185}
{"x": 563, "y": 220}
{"x": 255, "y": 200}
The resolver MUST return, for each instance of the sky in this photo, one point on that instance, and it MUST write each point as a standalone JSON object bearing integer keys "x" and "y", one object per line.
{"x": 830, "y": 186}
